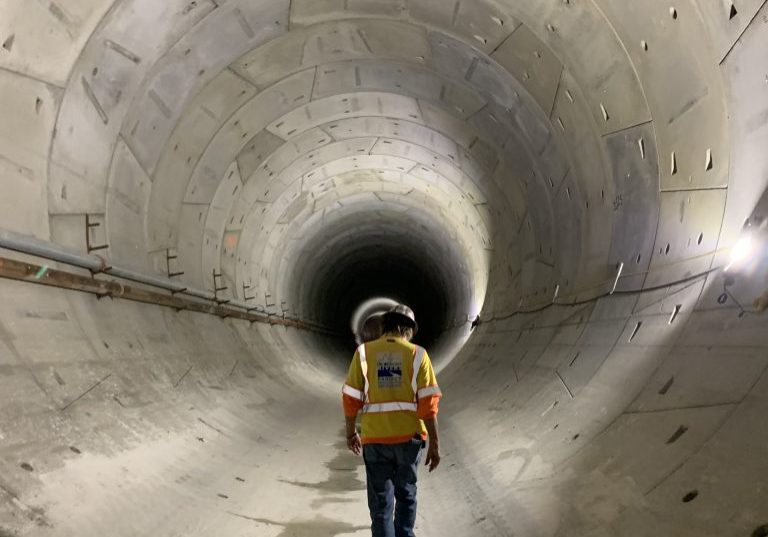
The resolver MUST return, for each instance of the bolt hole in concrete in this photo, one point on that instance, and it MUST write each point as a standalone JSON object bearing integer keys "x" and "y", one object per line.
{"x": 761, "y": 531}
{"x": 677, "y": 434}
{"x": 28, "y": 467}
{"x": 73, "y": 449}
{"x": 690, "y": 496}
{"x": 8, "y": 43}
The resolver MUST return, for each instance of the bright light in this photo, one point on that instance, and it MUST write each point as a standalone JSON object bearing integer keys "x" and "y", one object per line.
{"x": 741, "y": 252}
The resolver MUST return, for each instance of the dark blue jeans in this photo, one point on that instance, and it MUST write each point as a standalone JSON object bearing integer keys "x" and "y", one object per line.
{"x": 391, "y": 470}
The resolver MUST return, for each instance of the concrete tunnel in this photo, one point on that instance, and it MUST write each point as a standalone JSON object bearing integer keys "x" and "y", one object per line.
{"x": 196, "y": 197}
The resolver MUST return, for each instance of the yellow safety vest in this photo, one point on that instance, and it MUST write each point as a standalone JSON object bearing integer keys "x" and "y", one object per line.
{"x": 389, "y": 376}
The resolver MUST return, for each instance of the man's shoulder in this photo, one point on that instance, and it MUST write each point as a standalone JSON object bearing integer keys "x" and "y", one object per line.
{"x": 386, "y": 343}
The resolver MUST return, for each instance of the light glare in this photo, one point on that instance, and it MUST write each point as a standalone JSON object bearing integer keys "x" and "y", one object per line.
{"x": 740, "y": 252}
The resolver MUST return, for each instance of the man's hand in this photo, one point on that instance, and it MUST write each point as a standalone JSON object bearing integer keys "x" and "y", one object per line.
{"x": 433, "y": 455}
{"x": 433, "y": 452}
{"x": 354, "y": 445}
{"x": 353, "y": 439}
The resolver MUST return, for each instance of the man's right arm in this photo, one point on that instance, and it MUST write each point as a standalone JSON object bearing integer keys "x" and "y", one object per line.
{"x": 433, "y": 451}
{"x": 353, "y": 400}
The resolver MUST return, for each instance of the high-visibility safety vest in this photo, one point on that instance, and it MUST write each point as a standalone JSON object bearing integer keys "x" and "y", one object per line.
{"x": 392, "y": 383}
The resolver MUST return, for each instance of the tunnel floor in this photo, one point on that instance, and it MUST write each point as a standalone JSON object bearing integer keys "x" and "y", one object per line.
{"x": 197, "y": 196}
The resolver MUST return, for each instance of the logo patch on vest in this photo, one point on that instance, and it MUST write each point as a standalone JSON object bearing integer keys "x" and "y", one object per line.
{"x": 389, "y": 367}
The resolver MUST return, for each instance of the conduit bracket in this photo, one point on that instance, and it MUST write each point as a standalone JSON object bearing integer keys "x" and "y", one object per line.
{"x": 245, "y": 293}
{"x": 168, "y": 259}
{"x": 247, "y": 298}
{"x": 216, "y": 276}
{"x": 217, "y": 289}
{"x": 88, "y": 226}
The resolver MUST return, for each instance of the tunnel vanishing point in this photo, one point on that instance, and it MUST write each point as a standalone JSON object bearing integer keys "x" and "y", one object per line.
{"x": 197, "y": 196}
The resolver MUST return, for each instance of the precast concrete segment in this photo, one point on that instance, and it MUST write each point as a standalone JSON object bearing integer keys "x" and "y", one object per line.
{"x": 576, "y": 173}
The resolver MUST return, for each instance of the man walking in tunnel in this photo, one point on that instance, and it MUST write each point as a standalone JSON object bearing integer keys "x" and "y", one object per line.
{"x": 392, "y": 383}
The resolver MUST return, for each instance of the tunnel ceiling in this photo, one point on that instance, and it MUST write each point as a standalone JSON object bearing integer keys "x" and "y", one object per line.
{"x": 549, "y": 141}
{"x": 516, "y": 159}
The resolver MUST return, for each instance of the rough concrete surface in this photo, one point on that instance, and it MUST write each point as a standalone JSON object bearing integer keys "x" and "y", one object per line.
{"x": 577, "y": 173}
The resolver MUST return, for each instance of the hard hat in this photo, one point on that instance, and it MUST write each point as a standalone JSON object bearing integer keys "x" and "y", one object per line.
{"x": 404, "y": 313}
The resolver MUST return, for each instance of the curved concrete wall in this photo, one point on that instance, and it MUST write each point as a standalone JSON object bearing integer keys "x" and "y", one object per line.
{"x": 575, "y": 172}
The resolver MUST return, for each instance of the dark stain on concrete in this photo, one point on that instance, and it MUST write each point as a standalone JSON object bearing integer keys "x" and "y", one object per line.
{"x": 343, "y": 474}
{"x": 44, "y": 315}
{"x": 319, "y": 527}
{"x": 321, "y": 502}
{"x": 258, "y": 406}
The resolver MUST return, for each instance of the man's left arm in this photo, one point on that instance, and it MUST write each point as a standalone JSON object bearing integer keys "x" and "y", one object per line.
{"x": 428, "y": 398}
{"x": 353, "y": 439}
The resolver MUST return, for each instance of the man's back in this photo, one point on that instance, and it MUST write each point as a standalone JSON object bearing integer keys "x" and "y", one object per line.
{"x": 390, "y": 411}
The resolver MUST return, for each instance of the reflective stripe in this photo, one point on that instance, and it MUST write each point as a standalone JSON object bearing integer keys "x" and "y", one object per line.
{"x": 352, "y": 392}
{"x": 389, "y": 407}
{"x": 364, "y": 368}
{"x": 431, "y": 390}
{"x": 418, "y": 358}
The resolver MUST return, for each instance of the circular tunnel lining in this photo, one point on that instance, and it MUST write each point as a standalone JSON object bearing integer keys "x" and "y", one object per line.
{"x": 367, "y": 254}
